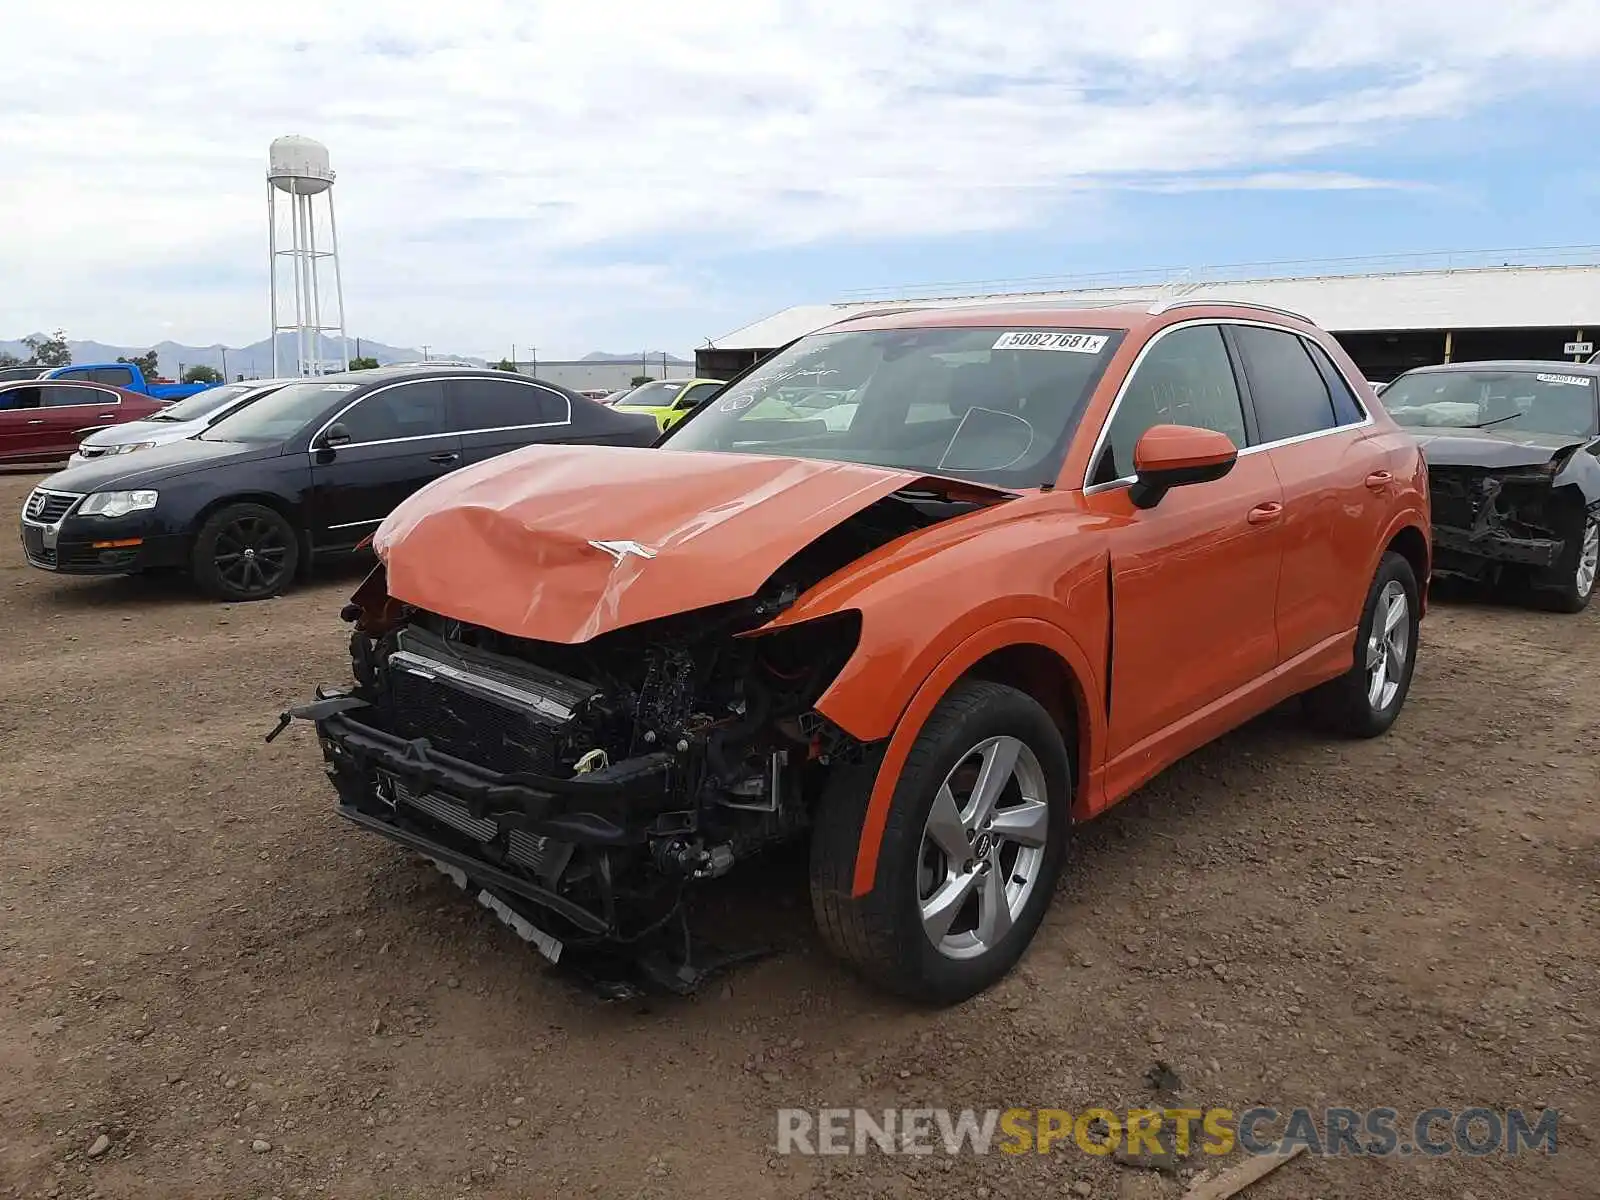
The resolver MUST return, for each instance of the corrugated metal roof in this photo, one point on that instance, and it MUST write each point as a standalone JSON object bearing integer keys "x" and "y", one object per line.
{"x": 1477, "y": 298}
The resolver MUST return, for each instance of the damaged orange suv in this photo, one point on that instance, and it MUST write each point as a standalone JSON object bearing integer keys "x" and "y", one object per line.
{"x": 926, "y": 588}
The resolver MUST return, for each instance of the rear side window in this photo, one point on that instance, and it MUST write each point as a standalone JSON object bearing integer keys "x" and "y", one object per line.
{"x": 65, "y": 395}
{"x": 1290, "y": 396}
{"x": 406, "y": 410}
{"x": 1347, "y": 409}
{"x": 1186, "y": 378}
{"x": 504, "y": 403}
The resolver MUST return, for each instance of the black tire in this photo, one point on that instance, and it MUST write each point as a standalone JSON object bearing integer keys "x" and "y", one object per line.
{"x": 1345, "y": 705}
{"x": 1563, "y": 589}
{"x": 245, "y": 552}
{"x": 881, "y": 934}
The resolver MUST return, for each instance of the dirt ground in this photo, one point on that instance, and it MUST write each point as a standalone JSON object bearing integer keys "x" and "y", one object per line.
{"x": 249, "y": 998}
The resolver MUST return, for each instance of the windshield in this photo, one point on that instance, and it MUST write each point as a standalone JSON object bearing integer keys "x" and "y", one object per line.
{"x": 203, "y": 404}
{"x": 1548, "y": 402}
{"x": 659, "y": 394}
{"x": 280, "y": 414}
{"x": 993, "y": 405}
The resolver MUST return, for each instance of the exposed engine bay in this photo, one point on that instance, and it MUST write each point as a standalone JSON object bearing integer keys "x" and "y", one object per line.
{"x": 1486, "y": 520}
{"x": 585, "y": 787}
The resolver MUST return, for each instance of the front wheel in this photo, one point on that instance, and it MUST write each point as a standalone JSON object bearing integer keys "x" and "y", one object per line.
{"x": 974, "y": 844}
{"x": 245, "y": 552}
{"x": 1573, "y": 579}
{"x": 1366, "y": 699}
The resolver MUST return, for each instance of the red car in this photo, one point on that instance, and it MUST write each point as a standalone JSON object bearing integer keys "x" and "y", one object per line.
{"x": 43, "y": 420}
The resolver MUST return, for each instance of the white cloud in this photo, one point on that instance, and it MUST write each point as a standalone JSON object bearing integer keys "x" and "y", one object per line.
{"x": 482, "y": 145}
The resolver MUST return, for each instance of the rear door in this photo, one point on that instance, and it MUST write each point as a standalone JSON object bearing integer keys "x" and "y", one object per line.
{"x": 493, "y": 416}
{"x": 71, "y": 410}
{"x": 1338, "y": 489}
{"x": 1194, "y": 579}
{"x": 400, "y": 440}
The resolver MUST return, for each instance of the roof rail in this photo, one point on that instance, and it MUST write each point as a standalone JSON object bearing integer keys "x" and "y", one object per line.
{"x": 1161, "y": 306}
{"x": 881, "y": 312}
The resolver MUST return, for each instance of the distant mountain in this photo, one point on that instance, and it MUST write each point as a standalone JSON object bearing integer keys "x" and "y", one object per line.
{"x": 255, "y": 360}
{"x": 252, "y": 361}
{"x": 651, "y": 356}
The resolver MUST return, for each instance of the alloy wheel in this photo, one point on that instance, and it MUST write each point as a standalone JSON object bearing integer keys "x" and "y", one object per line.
{"x": 1588, "y": 558}
{"x": 983, "y": 847}
{"x": 1388, "y": 645}
{"x": 250, "y": 554}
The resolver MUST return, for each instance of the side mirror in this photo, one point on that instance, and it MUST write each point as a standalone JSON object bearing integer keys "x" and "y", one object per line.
{"x": 333, "y": 436}
{"x": 1169, "y": 456}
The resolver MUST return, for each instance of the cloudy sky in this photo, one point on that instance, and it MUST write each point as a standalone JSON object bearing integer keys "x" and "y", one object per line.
{"x": 622, "y": 174}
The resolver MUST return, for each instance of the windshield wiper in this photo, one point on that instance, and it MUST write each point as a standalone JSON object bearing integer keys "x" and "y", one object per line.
{"x": 1496, "y": 421}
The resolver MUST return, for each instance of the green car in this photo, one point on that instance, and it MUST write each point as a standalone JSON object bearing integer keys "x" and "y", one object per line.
{"x": 668, "y": 400}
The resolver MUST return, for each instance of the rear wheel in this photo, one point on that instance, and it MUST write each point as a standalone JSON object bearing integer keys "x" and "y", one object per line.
{"x": 245, "y": 552}
{"x": 974, "y": 844}
{"x": 1365, "y": 700}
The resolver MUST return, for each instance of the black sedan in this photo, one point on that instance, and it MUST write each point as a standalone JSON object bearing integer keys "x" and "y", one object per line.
{"x": 1512, "y": 472}
{"x": 304, "y": 473}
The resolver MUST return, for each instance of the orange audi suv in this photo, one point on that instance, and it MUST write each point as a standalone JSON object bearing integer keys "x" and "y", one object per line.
{"x": 927, "y": 588}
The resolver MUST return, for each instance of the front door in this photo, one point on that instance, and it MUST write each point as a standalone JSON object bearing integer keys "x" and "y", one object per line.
{"x": 399, "y": 441}
{"x": 1194, "y": 580}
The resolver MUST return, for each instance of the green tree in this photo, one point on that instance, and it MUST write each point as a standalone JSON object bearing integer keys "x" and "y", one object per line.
{"x": 148, "y": 363}
{"x": 202, "y": 374}
{"x": 505, "y": 364}
{"x": 364, "y": 363}
{"x": 49, "y": 351}
{"x": 7, "y": 359}
{"x": 638, "y": 379}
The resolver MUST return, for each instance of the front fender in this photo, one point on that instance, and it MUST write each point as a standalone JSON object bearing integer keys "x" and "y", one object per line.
{"x": 1023, "y": 631}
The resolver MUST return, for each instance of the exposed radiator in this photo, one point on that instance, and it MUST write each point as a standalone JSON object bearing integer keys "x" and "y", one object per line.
{"x": 545, "y": 857}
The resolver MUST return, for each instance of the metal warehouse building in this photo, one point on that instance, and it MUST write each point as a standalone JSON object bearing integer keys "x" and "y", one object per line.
{"x": 1389, "y": 314}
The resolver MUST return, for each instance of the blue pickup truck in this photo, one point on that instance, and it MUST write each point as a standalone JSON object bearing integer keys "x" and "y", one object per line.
{"x": 123, "y": 375}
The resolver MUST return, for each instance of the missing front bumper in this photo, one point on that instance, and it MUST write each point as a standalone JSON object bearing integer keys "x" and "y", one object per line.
{"x": 1491, "y": 546}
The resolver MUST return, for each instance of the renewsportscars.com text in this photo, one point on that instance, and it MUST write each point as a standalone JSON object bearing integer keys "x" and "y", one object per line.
{"x": 1373, "y": 1132}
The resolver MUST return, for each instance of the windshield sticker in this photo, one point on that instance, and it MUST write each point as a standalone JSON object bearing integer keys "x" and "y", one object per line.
{"x": 1574, "y": 380}
{"x": 340, "y": 387}
{"x": 1076, "y": 343}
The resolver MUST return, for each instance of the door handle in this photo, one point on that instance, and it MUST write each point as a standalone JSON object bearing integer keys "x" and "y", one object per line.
{"x": 1264, "y": 514}
{"x": 448, "y": 456}
{"x": 106, "y": 417}
{"x": 38, "y": 421}
{"x": 1379, "y": 480}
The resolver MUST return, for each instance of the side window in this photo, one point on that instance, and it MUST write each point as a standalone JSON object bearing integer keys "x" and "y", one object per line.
{"x": 63, "y": 395}
{"x": 697, "y": 395}
{"x": 1186, "y": 378}
{"x": 115, "y": 376}
{"x": 407, "y": 410}
{"x": 1290, "y": 396}
{"x": 502, "y": 403}
{"x": 1347, "y": 408}
{"x": 22, "y": 397}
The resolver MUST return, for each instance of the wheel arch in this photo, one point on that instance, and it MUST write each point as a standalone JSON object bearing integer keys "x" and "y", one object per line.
{"x": 1411, "y": 544}
{"x": 287, "y": 509}
{"x": 1034, "y": 656}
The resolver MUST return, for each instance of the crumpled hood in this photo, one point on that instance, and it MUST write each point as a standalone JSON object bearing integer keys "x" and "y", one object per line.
{"x": 1495, "y": 450}
{"x": 509, "y": 544}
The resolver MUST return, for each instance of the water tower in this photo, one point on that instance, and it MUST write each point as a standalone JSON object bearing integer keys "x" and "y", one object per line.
{"x": 298, "y": 167}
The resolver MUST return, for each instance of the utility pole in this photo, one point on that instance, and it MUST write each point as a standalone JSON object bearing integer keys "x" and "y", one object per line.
{"x": 224, "y": 364}
{"x": 358, "y": 347}
{"x": 424, "y": 351}
{"x": 513, "y": 354}
{"x": 533, "y": 360}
